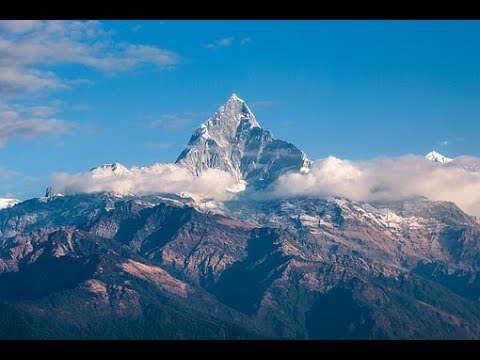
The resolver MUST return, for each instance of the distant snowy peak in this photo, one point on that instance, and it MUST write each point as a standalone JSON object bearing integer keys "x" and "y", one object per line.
{"x": 437, "y": 158}
{"x": 470, "y": 164}
{"x": 6, "y": 203}
{"x": 109, "y": 169}
{"x": 232, "y": 140}
{"x": 119, "y": 170}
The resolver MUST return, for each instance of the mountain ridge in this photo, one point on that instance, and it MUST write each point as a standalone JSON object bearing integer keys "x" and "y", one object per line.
{"x": 249, "y": 265}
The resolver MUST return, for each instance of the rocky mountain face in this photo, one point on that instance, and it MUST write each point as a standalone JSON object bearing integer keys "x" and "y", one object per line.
{"x": 157, "y": 267}
{"x": 233, "y": 141}
{"x": 96, "y": 266}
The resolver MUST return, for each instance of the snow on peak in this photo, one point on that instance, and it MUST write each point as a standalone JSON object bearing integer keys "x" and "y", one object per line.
{"x": 234, "y": 97}
{"x": 232, "y": 140}
{"x": 437, "y": 157}
{"x": 108, "y": 169}
{"x": 6, "y": 203}
{"x": 233, "y": 112}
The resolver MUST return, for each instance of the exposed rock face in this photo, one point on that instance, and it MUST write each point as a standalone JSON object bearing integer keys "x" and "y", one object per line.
{"x": 272, "y": 274}
{"x": 233, "y": 141}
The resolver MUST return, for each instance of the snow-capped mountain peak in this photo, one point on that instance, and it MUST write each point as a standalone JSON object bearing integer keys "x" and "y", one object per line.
{"x": 232, "y": 140}
{"x": 234, "y": 97}
{"x": 223, "y": 124}
{"x": 437, "y": 157}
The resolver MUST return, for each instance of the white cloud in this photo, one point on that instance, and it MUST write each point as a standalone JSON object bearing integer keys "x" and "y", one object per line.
{"x": 4, "y": 172}
{"x": 30, "y": 50}
{"x": 159, "y": 178}
{"x": 18, "y": 26}
{"x": 27, "y": 47}
{"x": 131, "y": 56}
{"x": 158, "y": 145}
{"x": 80, "y": 107}
{"x": 225, "y": 42}
{"x": 18, "y": 81}
{"x": 382, "y": 179}
{"x": 172, "y": 121}
{"x": 245, "y": 41}
{"x": 42, "y": 111}
{"x": 444, "y": 142}
{"x": 385, "y": 179}
{"x": 136, "y": 28}
{"x": 12, "y": 124}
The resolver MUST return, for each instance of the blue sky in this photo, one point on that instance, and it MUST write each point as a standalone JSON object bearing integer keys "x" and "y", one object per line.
{"x": 74, "y": 95}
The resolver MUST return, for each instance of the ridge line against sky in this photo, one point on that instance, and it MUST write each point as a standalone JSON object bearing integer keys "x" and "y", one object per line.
{"x": 78, "y": 94}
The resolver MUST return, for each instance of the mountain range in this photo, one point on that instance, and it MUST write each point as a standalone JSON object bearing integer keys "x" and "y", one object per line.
{"x": 177, "y": 265}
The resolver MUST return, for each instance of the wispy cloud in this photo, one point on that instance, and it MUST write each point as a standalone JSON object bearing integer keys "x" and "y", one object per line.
{"x": 385, "y": 179}
{"x": 136, "y": 28}
{"x": 13, "y": 124}
{"x": 41, "y": 111}
{"x": 225, "y": 42}
{"x": 172, "y": 121}
{"x": 4, "y": 172}
{"x": 26, "y": 49}
{"x": 245, "y": 41}
{"x": 31, "y": 50}
{"x": 262, "y": 103}
{"x": 158, "y": 145}
{"x": 80, "y": 107}
{"x": 130, "y": 56}
{"x": 18, "y": 26}
{"x": 445, "y": 142}
{"x": 222, "y": 43}
{"x": 287, "y": 123}
{"x": 16, "y": 80}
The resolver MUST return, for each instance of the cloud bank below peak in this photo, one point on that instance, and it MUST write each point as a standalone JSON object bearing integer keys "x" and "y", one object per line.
{"x": 384, "y": 179}
{"x": 380, "y": 179}
{"x": 156, "y": 179}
